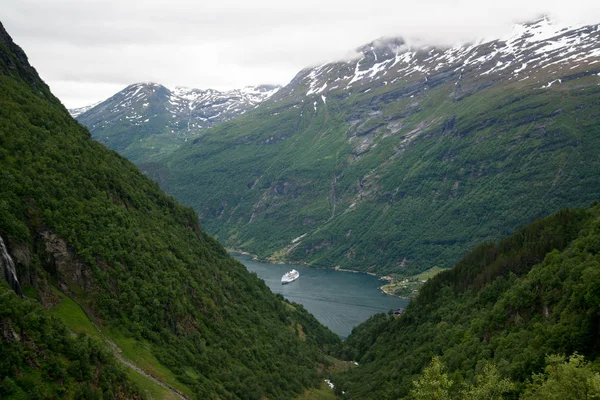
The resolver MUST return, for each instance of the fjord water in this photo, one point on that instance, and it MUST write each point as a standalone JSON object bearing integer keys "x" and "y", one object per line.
{"x": 340, "y": 300}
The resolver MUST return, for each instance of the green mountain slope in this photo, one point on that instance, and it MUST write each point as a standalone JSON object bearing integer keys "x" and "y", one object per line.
{"x": 404, "y": 158}
{"x": 42, "y": 359}
{"x": 81, "y": 219}
{"x": 511, "y": 303}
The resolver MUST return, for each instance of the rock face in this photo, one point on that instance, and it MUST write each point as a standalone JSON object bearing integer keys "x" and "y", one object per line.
{"x": 63, "y": 264}
{"x": 148, "y": 119}
{"x": 420, "y": 152}
{"x": 14, "y": 62}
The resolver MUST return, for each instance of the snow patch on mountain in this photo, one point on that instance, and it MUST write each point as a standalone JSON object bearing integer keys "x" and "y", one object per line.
{"x": 527, "y": 49}
{"x": 184, "y": 110}
{"x": 75, "y": 112}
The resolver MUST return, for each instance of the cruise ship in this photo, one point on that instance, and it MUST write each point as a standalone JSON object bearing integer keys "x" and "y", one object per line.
{"x": 290, "y": 276}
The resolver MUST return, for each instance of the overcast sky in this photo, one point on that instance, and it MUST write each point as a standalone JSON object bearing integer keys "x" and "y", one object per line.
{"x": 87, "y": 50}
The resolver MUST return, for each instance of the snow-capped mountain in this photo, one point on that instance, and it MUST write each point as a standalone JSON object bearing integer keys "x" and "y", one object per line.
{"x": 536, "y": 51}
{"x": 405, "y": 156}
{"x": 75, "y": 112}
{"x": 148, "y": 118}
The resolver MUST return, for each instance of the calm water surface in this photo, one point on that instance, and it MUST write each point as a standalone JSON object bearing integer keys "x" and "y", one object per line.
{"x": 339, "y": 300}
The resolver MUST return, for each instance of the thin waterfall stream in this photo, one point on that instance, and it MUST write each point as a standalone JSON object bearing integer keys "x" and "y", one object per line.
{"x": 10, "y": 272}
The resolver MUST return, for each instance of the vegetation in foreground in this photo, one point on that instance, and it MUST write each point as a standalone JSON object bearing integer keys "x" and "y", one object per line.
{"x": 42, "y": 359}
{"x": 562, "y": 378}
{"x": 508, "y": 304}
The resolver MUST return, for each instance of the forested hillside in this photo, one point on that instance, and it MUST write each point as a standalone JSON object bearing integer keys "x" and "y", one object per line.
{"x": 403, "y": 158}
{"x": 41, "y": 359}
{"x": 499, "y": 313}
{"x": 83, "y": 224}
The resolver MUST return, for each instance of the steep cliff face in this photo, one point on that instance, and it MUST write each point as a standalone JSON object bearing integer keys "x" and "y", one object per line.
{"x": 92, "y": 237}
{"x": 404, "y": 157}
{"x": 14, "y": 62}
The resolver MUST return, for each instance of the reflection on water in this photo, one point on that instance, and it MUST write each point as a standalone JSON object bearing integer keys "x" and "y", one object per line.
{"x": 340, "y": 300}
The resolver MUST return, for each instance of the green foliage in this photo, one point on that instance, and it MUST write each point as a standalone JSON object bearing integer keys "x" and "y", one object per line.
{"x": 40, "y": 357}
{"x": 489, "y": 385}
{"x": 432, "y": 384}
{"x": 137, "y": 261}
{"x": 322, "y": 393}
{"x": 508, "y": 303}
{"x": 363, "y": 336}
{"x": 564, "y": 379}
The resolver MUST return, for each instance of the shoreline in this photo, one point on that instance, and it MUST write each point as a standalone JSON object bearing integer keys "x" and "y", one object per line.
{"x": 382, "y": 289}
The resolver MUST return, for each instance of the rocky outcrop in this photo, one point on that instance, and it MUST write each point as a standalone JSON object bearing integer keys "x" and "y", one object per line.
{"x": 61, "y": 262}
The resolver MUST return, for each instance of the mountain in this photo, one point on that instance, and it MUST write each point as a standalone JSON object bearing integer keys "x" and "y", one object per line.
{"x": 533, "y": 51}
{"x": 404, "y": 157}
{"x": 75, "y": 112}
{"x": 506, "y": 305}
{"x": 147, "y": 119}
{"x": 111, "y": 268}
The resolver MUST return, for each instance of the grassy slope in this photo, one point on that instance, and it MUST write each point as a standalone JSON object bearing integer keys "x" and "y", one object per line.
{"x": 322, "y": 393}
{"x": 41, "y": 358}
{"x": 406, "y": 287}
{"x": 77, "y": 321}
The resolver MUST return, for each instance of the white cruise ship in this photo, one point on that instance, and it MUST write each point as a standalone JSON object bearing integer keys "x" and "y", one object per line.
{"x": 290, "y": 276}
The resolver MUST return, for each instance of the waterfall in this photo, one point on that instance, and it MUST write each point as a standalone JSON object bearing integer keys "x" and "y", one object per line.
{"x": 10, "y": 273}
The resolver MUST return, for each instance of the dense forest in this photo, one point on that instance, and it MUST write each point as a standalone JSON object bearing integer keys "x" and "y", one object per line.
{"x": 83, "y": 224}
{"x": 509, "y": 311}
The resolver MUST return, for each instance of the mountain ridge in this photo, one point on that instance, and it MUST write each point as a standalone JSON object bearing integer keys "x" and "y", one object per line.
{"x": 377, "y": 59}
{"x": 147, "y": 119}
{"x": 357, "y": 163}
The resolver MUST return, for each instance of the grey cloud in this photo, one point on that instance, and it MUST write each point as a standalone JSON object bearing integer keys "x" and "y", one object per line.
{"x": 85, "y": 49}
